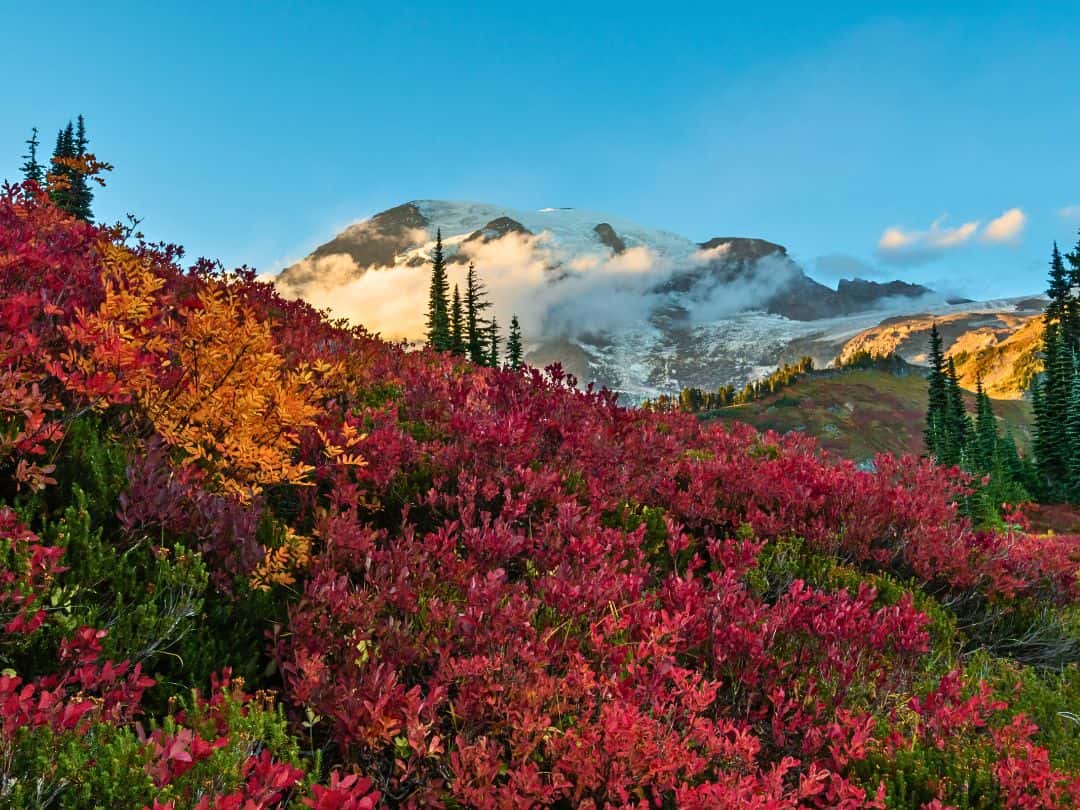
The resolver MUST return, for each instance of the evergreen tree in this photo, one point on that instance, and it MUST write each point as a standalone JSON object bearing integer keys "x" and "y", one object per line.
{"x": 31, "y": 169}
{"x": 1051, "y": 406}
{"x": 986, "y": 435}
{"x": 1072, "y": 309}
{"x": 457, "y": 326}
{"x": 493, "y": 343}
{"x": 513, "y": 344}
{"x": 1052, "y": 391}
{"x": 1058, "y": 288}
{"x": 81, "y": 195}
{"x": 475, "y": 304}
{"x": 957, "y": 423}
{"x": 61, "y": 175}
{"x": 438, "y": 318}
{"x": 938, "y": 397}
{"x": 1010, "y": 460}
{"x": 1072, "y": 431}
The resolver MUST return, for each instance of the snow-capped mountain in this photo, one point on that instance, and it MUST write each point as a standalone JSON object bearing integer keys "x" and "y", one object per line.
{"x": 638, "y": 309}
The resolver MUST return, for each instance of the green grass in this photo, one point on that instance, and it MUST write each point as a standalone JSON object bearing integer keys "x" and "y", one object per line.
{"x": 859, "y": 413}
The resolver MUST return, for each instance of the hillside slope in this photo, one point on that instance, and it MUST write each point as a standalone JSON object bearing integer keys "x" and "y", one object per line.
{"x": 859, "y": 413}
{"x": 1001, "y": 345}
{"x": 252, "y": 558}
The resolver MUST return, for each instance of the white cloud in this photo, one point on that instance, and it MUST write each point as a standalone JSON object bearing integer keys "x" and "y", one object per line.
{"x": 552, "y": 294}
{"x": 1070, "y": 212}
{"x": 1006, "y": 228}
{"x": 900, "y": 246}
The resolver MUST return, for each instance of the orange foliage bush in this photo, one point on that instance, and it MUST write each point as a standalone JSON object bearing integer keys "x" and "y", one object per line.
{"x": 204, "y": 371}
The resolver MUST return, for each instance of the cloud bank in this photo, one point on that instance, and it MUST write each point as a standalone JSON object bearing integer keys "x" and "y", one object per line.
{"x": 525, "y": 274}
{"x": 912, "y": 247}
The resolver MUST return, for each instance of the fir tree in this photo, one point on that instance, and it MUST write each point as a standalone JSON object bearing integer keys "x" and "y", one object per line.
{"x": 1051, "y": 406}
{"x": 475, "y": 304}
{"x": 513, "y": 344}
{"x": 438, "y": 318}
{"x": 986, "y": 435}
{"x": 61, "y": 176}
{"x": 81, "y": 195}
{"x": 1010, "y": 460}
{"x": 938, "y": 397}
{"x": 957, "y": 422}
{"x": 1058, "y": 288}
{"x": 1052, "y": 391}
{"x": 1072, "y": 309}
{"x": 1072, "y": 433}
{"x": 493, "y": 343}
{"x": 31, "y": 169}
{"x": 457, "y": 326}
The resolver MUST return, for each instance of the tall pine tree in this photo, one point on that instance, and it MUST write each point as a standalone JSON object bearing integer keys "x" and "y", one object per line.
{"x": 513, "y": 344}
{"x": 438, "y": 318}
{"x": 986, "y": 435}
{"x": 1052, "y": 391}
{"x": 938, "y": 397}
{"x": 957, "y": 422}
{"x": 31, "y": 169}
{"x": 457, "y": 325}
{"x": 1072, "y": 434}
{"x": 81, "y": 195}
{"x": 493, "y": 343}
{"x": 61, "y": 176}
{"x": 475, "y": 304}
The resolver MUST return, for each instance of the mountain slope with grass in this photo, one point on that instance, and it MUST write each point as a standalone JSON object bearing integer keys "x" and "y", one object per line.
{"x": 857, "y": 413}
{"x": 1001, "y": 345}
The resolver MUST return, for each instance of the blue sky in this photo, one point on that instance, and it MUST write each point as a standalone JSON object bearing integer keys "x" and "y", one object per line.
{"x": 865, "y": 141}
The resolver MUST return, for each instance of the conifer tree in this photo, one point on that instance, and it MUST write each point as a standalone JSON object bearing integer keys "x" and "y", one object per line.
{"x": 31, "y": 169}
{"x": 1017, "y": 470}
{"x": 81, "y": 195}
{"x": 513, "y": 344}
{"x": 986, "y": 435}
{"x": 493, "y": 343}
{"x": 438, "y": 318}
{"x": 1072, "y": 310}
{"x": 1058, "y": 288}
{"x": 938, "y": 397}
{"x": 1072, "y": 434}
{"x": 1051, "y": 402}
{"x": 61, "y": 175}
{"x": 1052, "y": 391}
{"x": 457, "y": 326}
{"x": 957, "y": 423}
{"x": 475, "y": 304}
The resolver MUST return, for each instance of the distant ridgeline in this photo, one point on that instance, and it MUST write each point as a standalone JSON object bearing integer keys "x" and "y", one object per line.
{"x": 697, "y": 400}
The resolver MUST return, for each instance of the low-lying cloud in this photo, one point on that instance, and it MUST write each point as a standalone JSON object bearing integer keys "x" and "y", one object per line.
{"x": 901, "y": 246}
{"x": 526, "y": 275}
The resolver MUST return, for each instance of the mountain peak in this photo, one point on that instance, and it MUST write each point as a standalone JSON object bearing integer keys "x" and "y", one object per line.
{"x": 744, "y": 248}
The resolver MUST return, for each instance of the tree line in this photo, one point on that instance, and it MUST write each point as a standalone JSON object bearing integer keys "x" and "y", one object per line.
{"x": 696, "y": 400}
{"x": 71, "y": 169}
{"x": 1052, "y": 472}
{"x": 953, "y": 438}
{"x": 1055, "y": 394}
{"x": 457, "y": 324}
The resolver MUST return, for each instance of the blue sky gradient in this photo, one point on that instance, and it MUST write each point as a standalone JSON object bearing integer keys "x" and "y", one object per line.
{"x": 255, "y": 132}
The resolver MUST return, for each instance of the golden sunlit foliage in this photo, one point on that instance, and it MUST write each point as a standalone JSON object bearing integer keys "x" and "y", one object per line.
{"x": 204, "y": 371}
